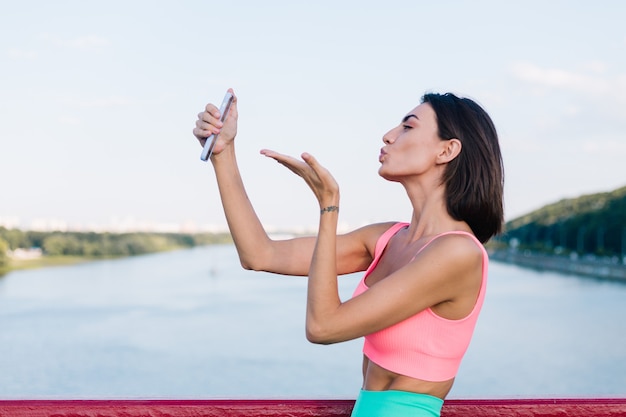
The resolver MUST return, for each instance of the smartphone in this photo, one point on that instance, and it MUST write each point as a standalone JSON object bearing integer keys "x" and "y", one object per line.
{"x": 207, "y": 151}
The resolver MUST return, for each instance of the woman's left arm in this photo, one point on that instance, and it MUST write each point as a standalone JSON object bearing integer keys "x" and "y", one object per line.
{"x": 322, "y": 292}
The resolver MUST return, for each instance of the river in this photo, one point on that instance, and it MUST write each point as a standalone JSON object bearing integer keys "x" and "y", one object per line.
{"x": 193, "y": 324}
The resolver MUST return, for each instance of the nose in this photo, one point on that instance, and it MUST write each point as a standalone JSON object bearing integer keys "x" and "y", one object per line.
{"x": 389, "y": 138}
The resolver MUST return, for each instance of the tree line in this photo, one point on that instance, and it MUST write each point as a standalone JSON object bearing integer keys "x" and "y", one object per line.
{"x": 590, "y": 224}
{"x": 92, "y": 244}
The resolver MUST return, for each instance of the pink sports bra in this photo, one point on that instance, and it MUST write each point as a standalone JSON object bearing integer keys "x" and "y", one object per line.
{"x": 424, "y": 346}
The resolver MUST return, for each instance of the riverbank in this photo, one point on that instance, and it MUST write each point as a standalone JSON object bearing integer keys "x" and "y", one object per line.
{"x": 600, "y": 268}
{"x": 47, "y": 261}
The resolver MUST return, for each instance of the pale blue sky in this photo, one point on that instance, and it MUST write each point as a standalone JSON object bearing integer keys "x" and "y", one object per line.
{"x": 98, "y": 100}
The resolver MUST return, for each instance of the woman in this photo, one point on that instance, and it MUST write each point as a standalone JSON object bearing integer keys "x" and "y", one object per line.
{"x": 424, "y": 284}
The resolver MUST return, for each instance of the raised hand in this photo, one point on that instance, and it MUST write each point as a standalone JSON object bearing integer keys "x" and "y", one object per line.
{"x": 209, "y": 123}
{"x": 318, "y": 178}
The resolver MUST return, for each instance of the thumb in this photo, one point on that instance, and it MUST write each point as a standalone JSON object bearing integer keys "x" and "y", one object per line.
{"x": 313, "y": 163}
{"x": 233, "y": 106}
{"x": 309, "y": 159}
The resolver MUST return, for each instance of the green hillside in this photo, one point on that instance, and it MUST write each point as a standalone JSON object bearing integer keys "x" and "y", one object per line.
{"x": 589, "y": 224}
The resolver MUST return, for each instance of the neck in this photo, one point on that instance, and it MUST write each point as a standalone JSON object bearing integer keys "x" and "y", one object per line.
{"x": 430, "y": 213}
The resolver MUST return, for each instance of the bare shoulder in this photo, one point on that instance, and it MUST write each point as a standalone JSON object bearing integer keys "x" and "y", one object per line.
{"x": 456, "y": 252}
{"x": 355, "y": 250}
{"x": 463, "y": 244}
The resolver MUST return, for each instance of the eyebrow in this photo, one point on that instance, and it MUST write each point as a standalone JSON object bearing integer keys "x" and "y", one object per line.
{"x": 408, "y": 116}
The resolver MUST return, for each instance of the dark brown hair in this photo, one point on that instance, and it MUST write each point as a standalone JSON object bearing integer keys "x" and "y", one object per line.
{"x": 474, "y": 180}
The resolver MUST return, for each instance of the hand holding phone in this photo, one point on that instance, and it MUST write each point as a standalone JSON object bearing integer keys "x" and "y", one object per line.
{"x": 207, "y": 151}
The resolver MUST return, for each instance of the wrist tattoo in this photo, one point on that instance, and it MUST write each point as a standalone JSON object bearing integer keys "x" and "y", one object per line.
{"x": 329, "y": 209}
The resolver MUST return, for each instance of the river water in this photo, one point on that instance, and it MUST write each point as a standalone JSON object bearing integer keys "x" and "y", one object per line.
{"x": 193, "y": 324}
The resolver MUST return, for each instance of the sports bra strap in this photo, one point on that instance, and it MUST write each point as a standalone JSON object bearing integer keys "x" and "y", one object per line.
{"x": 452, "y": 232}
{"x": 381, "y": 244}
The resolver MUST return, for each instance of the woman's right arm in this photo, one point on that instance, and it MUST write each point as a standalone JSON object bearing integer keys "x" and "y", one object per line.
{"x": 255, "y": 249}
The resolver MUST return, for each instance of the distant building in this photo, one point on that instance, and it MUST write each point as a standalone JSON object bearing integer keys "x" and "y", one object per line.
{"x": 21, "y": 253}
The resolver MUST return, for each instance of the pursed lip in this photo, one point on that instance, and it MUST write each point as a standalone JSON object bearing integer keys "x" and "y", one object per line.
{"x": 382, "y": 154}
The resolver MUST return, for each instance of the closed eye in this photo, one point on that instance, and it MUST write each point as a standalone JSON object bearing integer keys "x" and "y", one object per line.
{"x": 408, "y": 117}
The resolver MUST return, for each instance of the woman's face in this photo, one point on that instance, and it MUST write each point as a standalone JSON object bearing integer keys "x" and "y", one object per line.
{"x": 411, "y": 148}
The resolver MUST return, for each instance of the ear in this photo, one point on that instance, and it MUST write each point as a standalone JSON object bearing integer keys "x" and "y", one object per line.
{"x": 450, "y": 149}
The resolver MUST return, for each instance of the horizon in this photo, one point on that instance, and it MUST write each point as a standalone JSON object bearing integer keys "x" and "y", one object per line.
{"x": 131, "y": 225}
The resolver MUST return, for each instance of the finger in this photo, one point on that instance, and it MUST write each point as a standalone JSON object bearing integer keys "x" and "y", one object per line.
{"x": 290, "y": 162}
{"x": 322, "y": 173}
{"x": 201, "y": 135}
{"x": 296, "y": 166}
{"x": 313, "y": 163}
{"x": 309, "y": 159}
{"x": 210, "y": 118}
{"x": 212, "y": 110}
{"x": 210, "y": 129}
{"x": 273, "y": 154}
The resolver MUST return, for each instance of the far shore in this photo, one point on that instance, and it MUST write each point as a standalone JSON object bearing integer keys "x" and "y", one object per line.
{"x": 594, "y": 267}
{"x": 46, "y": 261}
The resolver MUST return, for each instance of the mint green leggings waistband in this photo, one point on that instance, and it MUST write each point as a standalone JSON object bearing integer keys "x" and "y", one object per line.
{"x": 397, "y": 404}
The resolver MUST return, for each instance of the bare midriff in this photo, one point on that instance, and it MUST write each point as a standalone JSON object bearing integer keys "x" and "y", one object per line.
{"x": 376, "y": 378}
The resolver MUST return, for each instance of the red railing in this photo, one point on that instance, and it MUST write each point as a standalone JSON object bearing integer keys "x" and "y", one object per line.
{"x": 582, "y": 407}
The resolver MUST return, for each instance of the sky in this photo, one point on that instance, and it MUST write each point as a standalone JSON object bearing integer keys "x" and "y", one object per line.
{"x": 98, "y": 101}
